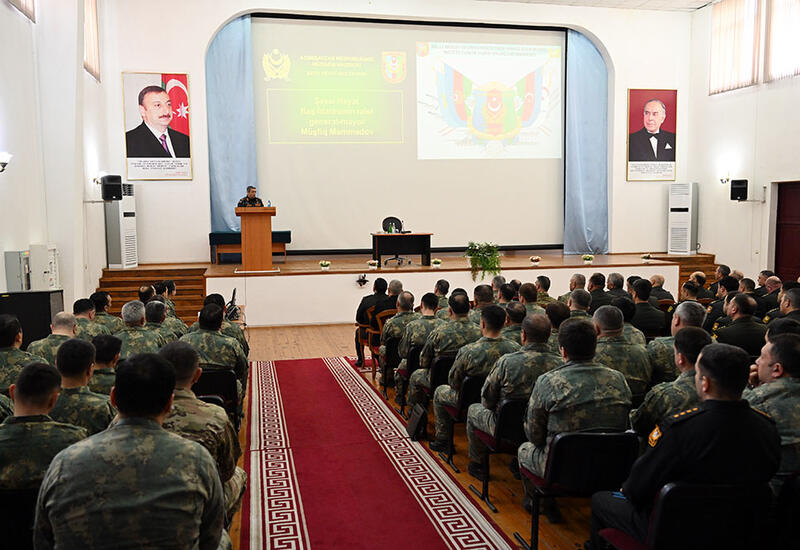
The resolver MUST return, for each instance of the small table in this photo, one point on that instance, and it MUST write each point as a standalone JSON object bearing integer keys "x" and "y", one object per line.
{"x": 402, "y": 243}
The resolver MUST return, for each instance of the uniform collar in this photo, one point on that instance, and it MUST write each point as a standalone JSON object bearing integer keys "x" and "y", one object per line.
{"x": 182, "y": 393}
{"x": 27, "y": 419}
{"x": 142, "y": 421}
{"x": 711, "y": 404}
{"x": 75, "y": 391}
{"x": 536, "y": 346}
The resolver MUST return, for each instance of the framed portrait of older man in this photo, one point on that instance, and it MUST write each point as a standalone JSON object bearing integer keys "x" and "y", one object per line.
{"x": 156, "y": 110}
{"x": 651, "y": 135}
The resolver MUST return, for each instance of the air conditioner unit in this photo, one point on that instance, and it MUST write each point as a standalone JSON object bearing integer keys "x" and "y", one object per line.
{"x": 121, "y": 245}
{"x": 682, "y": 219}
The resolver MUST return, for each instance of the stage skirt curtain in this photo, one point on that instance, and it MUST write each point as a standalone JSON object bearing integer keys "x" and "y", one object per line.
{"x": 586, "y": 167}
{"x": 231, "y": 122}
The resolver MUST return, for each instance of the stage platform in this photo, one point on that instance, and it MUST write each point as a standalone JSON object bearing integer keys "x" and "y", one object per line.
{"x": 303, "y": 294}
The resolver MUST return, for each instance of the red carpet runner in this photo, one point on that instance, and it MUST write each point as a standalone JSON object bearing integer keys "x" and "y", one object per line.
{"x": 331, "y": 467}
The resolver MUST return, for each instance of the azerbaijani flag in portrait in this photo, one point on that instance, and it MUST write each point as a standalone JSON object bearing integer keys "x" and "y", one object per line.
{"x": 177, "y": 87}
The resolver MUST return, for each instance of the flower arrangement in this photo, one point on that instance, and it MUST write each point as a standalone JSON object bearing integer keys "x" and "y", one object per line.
{"x": 436, "y": 262}
{"x": 535, "y": 260}
{"x": 373, "y": 264}
{"x": 325, "y": 265}
{"x": 588, "y": 258}
{"x": 484, "y": 258}
{"x": 646, "y": 257}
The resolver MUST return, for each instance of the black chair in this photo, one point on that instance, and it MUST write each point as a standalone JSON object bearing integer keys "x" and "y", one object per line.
{"x": 637, "y": 399}
{"x": 579, "y": 464}
{"x": 703, "y": 516}
{"x": 17, "y": 512}
{"x": 509, "y": 434}
{"x": 386, "y": 225}
{"x": 788, "y": 510}
{"x": 440, "y": 371}
{"x": 470, "y": 393}
{"x": 412, "y": 364}
{"x": 220, "y": 381}
{"x": 212, "y": 399}
{"x": 392, "y": 359}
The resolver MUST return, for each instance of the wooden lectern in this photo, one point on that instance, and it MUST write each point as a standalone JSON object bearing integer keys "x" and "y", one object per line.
{"x": 256, "y": 238}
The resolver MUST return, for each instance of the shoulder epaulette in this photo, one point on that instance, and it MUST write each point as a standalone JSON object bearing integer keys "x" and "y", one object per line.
{"x": 683, "y": 415}
{"x": 762, "y": 413}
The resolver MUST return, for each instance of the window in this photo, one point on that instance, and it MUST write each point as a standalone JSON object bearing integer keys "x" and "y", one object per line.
{"x": 735, "y": 41}
{"x": 26, "y": 7}
{"x": 783, "y": 39}
{"x": 91, "y": 40}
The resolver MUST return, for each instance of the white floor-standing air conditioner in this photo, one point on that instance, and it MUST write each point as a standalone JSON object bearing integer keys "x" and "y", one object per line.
{"x": 682, "y": 219}
{"x": 121, "y": 246}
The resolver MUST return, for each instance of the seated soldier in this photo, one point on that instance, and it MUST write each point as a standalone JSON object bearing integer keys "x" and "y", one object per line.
{"x": 145, "y": 293}
{"x": 660, "y": 351}
{"x": 497, "y": 282}
{"x": 720, "y": 441}
{"x": 657, "y": 289}
{"x": 77, "y": 404}
{"x": 102, "y": 306}
{"x": 616, "y": 286}
{"x": 528, "y": 296}
{"x": 395, "y": 328}
{"x": 790, "y": 304}
{"x": 368, "y": 301}
{"x": 506, "y": 295}
{"x": 30, "y": 439}
{"x": 628, "y": 309}
{"x": 135, "y": 338}
{"x": 597, "y": 282}
{"x": 474, "y": 359}
{"x": 6, "y": 407}
{"x": 748, "y": 286}
{"x": 444, "y": 313}
{"x": 228, "y": 328}
{"x": 12, "y": 359}
{"x": 688, "y": 293}
{"x": 614, "y": 352}
{"x": 542, "y": 285}
{"x": 445, "y": 339}
{"x": 716, "y": 309}
{"x": 512, "y": 330}
{"x": 782, "y": 326}
{"x": 216, "y": 349}
{"x": 763, "y": 275}
{"x": 577, "y": 281}
{"x": 776, "y": 391}
{"x": 158, "y": 489}
{"x": 161, "y": 290}
{"x": 667, "y": 398}
{"x": 414, "y": 336}
{"x": 743, "y": 331}
{"x": 105, "y": 361}
{"x": 650, "y": 320}
{"x": 155, "y": 312}
{"x": 699, "y": 278}
{"x": 204, "y": 423}
{"x": 557, "y": 312}
{"x": 720, "y": 273}
{"x": 579, "y": 303}
{"x": 483, "y": 298}
{"x": 83, "y": 310}
{"x": 175, "y": 326}
{"x": 387, "y": 302}
{"x": 440, "y": 290}
{"x": 771, "y": 297}
{"x": 512, "y": 377}
{"x": 62, "y": 329}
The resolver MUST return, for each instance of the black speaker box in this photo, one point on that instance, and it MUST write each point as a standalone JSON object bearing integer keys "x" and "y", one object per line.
{"x": 34, "y": 309}
{"x": 111, "y": 188}
{"x": 738, "y": 190}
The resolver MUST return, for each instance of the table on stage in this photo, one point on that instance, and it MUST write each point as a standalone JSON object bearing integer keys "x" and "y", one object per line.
{"x": 402, "y": 243}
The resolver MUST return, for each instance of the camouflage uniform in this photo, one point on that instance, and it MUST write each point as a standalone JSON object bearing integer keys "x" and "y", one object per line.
{"x": 11, "y": 362}
{"x": 394, "y": 329}
{"x": 170, "y": 305}
{"x": 663, "y": 400}
{"x": 633, "y": 335}
{"x": 443, "y": 314}
{"x": 209, "y": 425}
{"x": 87, "y": 330}
{"x": 513, "y": 333}
{"x": 631, "y": 360}
{"x": 661, "y": 352}
{"x": 580, "y": 314}
{"x": 136, "y": 483}
{"x": 446, "y": 339}
{"x": 443, "y": 302}
{"x": 102, "y": 380}
{"x": 415, "y": 335}
{"x": 475, "y": 359}
{"x": 781, "y": 400}
{"x": 111, "y": 322}
{"x": 28, "y": 444}
{"x": 230, "y": 329}
{"x": 138, "y": 340}
{"x": 575, "y": 396}
{"x": 217, "y": 349}
{"x": 167, "y": 334}
{"x": 543, "y": 298}
{"x": 512, "y": 377}
{"x": 177, "y": 326}
{"x": 475, "y": 314}
{"x": 533, "y": 309}
{"x": 82, "y": 407}
{"x": 552, "y": 342}
{"x": 47, "y": 348}
{"x": 564, "y": 297}
{"x": 6, "y": 407}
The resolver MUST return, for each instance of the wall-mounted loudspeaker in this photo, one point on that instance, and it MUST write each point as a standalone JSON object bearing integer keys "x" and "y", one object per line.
{"x": 738, "y": 190}
{"x": 111, "y": 187}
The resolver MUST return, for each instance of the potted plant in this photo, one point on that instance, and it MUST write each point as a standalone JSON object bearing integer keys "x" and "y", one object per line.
{"x": 535, "y": 260}
{"x": 484, "y": 258}
{"x": 436, "y": 263}
{"x": 588, "y": 259}
{"x": 373, "y": 264}
{"x": 324, "y": 265}
{"x": 647, "y": 257}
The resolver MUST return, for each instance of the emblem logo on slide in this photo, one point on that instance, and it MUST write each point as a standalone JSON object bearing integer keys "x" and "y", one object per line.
{"x": 394, "y": 67}
{"x": 276, "y": 65}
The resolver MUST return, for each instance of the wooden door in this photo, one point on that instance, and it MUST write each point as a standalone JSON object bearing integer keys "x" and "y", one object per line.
{"x": 787, "y": 235}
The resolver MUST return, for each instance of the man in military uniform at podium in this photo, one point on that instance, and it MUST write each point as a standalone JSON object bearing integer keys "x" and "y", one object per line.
{"x": 250, "y": 199}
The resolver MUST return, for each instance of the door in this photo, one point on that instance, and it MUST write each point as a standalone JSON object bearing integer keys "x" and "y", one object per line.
{"x": 787, "y": 233}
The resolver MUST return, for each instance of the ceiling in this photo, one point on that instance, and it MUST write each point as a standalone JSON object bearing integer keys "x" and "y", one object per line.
{"x": 665, "y": 5}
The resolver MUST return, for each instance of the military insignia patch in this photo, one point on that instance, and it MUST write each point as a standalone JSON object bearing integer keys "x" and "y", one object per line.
{"x": 655, "y": 435}
{"x": 394, "y": 67}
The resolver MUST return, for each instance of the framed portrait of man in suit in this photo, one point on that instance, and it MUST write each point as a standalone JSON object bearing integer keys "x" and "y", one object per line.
{"x": 651, "y": 135}
{"x": 157, "y": 129}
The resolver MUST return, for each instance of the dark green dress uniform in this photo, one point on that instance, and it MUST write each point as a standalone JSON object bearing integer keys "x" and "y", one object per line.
{"x": 649, "y": 320}
{"x": 770, "y": 299}
{"x": 744, "y": 332}
{"x": 599, "y": 298}
{"x": 721, "y": 322}
{"x": 661, "y": 294}
{"x": 771, "y": 315}
{"x": 713, "y": 312}
{"x": 247, "y": 201}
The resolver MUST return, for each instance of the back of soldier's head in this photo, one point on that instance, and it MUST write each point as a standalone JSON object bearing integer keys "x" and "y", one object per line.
{"x": 642, "y": 288}
{"x": 578, "y": 338}
{"x": 616, "y": 280}
{"x": 793, "y": 297}
{"x": 598, "y": 280}
{"x": 786, "y": 351}
{"x": 74, "y": 357}
{"x": 460, "y": 290}
{"x": 380, "y": 285}
{"x": 691, "y": 289}
{"x": 724, "y": 270}
{"x": 626, "y": 306}
{"x": 64, "y": 321}
{"x": 430, "y": 301}
{"x": 100, "y": 300}
{"x": 159, "y": 287}
{"x": 395, "y": 287}
{"x": 143, "y": 386}
{"x": 745, "y": 303}
{"x": 516, "y": 312}
{"x": 483, "y": 294}
{"x": 155, "y": 311}
{"x": 210, "y": 317}
{"x": 529, "y": 293}
{"x": 507, "y": 292}
{"x": 145, "y": 293}
{"x": 82, "y": 306}
{"x": 443, "y": 286}
{"x": 498, "y": 281}
{"x": 9, "y": 328}
{"x": 459, "y": 303}
{"x": 691, "y": 314}
{"x": 608, "y": 319}
{"x": 516, "y": 283}
{"x": 557, "y": 313}
{"x": 184, "y": 359}
{"x": 727, "y": 366}
{"x": 133, "y": 313}
{"x": 690, "y": 341}
{"x": 544, "y": 282}
{"x": 632, "y": 279}
{"x": 747, "y": 285}
{"x": 493, "y": 317}
{"x": 700, "y": 277}
{"x": 537, "y": 328}
{"x": 169, "y": 284}
{"x": 580, "y": 298}
{"x": 405, "y": 301}
{"x": 106, "y": 348}
{"x": 35, "y": 384}
{"x": 782, "y": 326}
{"x": 215, "y": 299}
{"x": 157, "y": 298}
{"x": 729, "y": 283}
{"x": 579, "y": 279}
